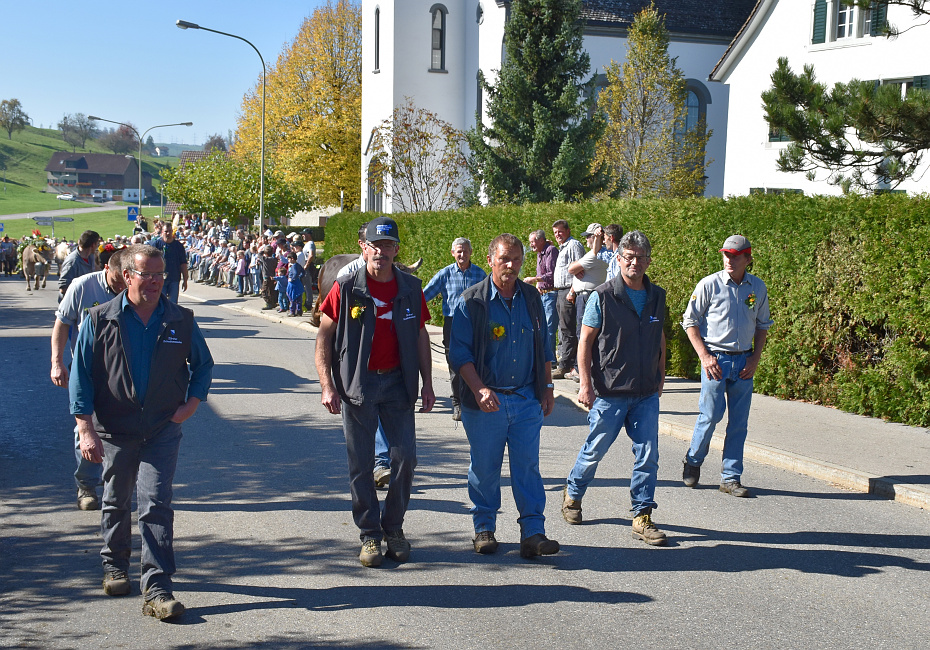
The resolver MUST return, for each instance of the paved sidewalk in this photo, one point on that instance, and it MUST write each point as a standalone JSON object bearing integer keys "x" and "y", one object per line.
{"x": 854, "y": 452}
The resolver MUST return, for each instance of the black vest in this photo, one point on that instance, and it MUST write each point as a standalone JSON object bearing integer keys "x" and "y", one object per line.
{"x": 117, "y": 408}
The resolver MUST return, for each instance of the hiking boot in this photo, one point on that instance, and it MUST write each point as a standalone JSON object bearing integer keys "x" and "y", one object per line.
{"x": 734, "y": 488}
{"x": 538, "y": 544}
{"x": 398, "y": 548}
{"x": 485, "y": 543}
{"x": 644, "y": 529}
{"x": 87, "y": 499}
{"x": 558, "y": 373}
{"x": 162, "y": 606}
{"x": 457, "y": 412}
{"x": 571, "y": 509}
{"x": 371, "y": 552}
{"x": 690, "y": 474}
{"x": 382, "y": 476}
{"x": 115, "y": 582}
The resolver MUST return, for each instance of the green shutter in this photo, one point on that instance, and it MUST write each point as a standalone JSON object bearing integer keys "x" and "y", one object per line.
{"x": 922, "y": 82}
{"x": 820, "y": 22}
{"x": 879, "y": 18}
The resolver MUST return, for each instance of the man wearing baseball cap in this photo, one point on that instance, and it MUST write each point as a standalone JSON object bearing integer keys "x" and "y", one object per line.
{"x": 727, "y": 321}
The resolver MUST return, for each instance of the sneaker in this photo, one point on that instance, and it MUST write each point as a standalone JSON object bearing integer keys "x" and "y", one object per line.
{"x": 382, "y": 476}
{"x": 115, "y": 582}
{"x": 574, "y": 376}
{"x": 87, "y": 499}
{"x": 538, "y": 544}
{"x": 690, "y": 474}
{"x": 644, "y": 529}
{"x": 734, "y": 488}
{"x": 370, "y": 554}
{"x": 485, "y": 543}
{"x": 162, "y": 606}
{"x": 558, "y": 373}
{"x": 398, "y": 548}
{"x": 571, "y": 509}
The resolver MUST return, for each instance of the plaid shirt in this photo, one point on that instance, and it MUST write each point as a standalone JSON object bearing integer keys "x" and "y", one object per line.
{"x": 451, "y": 281}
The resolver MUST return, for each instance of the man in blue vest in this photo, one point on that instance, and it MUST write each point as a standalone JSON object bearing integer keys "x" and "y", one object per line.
{"x": 141, "y": 367}
{"x": 621, "y": 363}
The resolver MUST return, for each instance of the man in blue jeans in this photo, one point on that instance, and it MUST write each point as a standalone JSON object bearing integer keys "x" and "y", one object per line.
{"x": 727, "y": 321}
{"x": 500, "y": 348}
{"x": 621, "y": 361}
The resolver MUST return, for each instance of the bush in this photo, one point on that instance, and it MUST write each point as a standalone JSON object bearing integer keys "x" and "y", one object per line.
{"x": 847, "y": 281}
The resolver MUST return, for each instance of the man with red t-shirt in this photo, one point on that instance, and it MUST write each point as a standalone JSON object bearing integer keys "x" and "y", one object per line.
{"x": 372, "y": 323}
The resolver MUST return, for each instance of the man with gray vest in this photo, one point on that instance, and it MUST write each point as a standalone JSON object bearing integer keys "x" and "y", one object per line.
{"x": 371, "y": 349}
{"x": 141, "y": 368}
{"x": 621, "y": 361}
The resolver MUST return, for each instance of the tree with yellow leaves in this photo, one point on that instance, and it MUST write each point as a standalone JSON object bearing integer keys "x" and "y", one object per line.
{"x": 646, "y": 144}
{"x": 313, "y": 107}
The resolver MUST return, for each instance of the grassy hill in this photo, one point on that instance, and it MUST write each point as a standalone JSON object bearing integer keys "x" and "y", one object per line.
{"x": 25, "y": 158}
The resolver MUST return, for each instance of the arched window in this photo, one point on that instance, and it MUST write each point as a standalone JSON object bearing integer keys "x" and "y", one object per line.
{"x": 438, "y": 37}
{"x": 375, "y": 195}
{"x": 377, "y": 38}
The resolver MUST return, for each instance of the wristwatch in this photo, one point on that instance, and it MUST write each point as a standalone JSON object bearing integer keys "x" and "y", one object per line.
{"x": 550, "y": 385}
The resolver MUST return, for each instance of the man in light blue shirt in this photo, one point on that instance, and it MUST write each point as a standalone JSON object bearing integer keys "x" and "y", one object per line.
{"x": 450, "y": 282}
{"x": 727, "y": 321}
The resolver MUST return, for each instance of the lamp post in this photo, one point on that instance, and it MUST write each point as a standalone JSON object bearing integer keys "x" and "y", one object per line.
{"x": 130, "y": 126}
{"x": 183, "y": 24}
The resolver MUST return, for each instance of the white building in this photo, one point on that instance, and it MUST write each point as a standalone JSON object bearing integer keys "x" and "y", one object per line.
{"x": 841, "y": 43}
{"x": 432, "y": 51}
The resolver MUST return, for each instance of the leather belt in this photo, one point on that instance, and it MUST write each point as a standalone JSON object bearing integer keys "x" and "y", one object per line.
{"x": 385, "y": 371}
{"x": 507, "y": 391}
{"x": 732, "y": 354}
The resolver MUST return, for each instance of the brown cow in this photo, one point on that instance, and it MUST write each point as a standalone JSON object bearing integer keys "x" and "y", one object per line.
{"x": 36, "y": 260}
{"x": 327, "y": 277}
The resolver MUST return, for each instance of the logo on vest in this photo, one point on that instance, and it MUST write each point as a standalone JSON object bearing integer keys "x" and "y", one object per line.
{"x": 172, "y": 337}
{"x": 653, "y": 319}
{"x": 409, "y": 314}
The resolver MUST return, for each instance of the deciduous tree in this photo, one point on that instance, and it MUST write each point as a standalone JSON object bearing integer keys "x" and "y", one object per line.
{"x": 12, "y": 116}
{"x": 122, "y": 140}
{"x": 417, "y": 160}
{"x": 646, "y": 144}
{"x": 540, "y": 144}
{"x": 215, "y": 142}
{"x": 313, "y": 107}
{"x": 76, "y": 129}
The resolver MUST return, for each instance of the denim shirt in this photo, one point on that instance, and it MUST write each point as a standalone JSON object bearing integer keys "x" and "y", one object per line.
{"x": 451, "y": 281}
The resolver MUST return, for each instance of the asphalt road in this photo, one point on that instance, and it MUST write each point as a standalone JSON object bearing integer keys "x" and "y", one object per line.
{"x": 267, "y": 551}
{"x": 73, "y": 208}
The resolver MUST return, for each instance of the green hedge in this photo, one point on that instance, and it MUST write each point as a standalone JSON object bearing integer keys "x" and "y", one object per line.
{"x": 847, "y": 280}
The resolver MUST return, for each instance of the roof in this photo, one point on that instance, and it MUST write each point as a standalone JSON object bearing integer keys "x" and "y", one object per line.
{"x": 92, "y": 163}
{"x": 750, "y": 28}
{"x": 721, "y": 18}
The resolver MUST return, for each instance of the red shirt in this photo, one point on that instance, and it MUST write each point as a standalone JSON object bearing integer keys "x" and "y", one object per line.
{"x": 385, "y": 352}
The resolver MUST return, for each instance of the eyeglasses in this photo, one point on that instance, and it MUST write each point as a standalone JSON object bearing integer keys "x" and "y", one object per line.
{"x": 629, "y": 259}
{"x": 149, "y": 276}
{"x": 382, "y": 245}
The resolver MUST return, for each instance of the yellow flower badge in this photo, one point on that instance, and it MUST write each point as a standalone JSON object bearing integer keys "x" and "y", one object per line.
{"x": 751, "y": 301}
{"x": 498, "y": 332}
{"x": 357, "y": 311}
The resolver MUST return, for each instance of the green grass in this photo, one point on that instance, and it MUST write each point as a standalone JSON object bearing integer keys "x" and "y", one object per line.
{"x": 108, "y": 224}
{"x": 26, "y": 156}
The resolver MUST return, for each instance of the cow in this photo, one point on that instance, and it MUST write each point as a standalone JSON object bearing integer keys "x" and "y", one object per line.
{"x": 62, "y": 250}
{"x": 36, "y": 260}
{"x": 327, "y": 277}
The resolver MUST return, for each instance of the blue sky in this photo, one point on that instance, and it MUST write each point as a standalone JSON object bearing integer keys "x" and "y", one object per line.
{"x": 128, "y": 62}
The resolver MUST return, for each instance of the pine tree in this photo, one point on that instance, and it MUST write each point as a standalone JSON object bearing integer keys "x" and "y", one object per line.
{"x": 645, "y": 144}
{"x": 540, "y": 145}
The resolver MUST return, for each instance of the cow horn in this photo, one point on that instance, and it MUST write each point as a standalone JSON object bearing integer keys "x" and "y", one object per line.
{"x": 416, "y": 265}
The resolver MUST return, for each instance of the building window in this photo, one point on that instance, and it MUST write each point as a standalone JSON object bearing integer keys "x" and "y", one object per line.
{"x": 377, "y": 38}
{"x": 836, "y": 21}
{"x": 375, "y": 197}
{"x": 438, "y": 37}
{"x": 479, "y": 107}
{"x": 844, "y": 20}
{"x": 778, "y": 135}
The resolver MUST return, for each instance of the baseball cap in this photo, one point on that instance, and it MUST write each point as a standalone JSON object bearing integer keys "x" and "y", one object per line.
{"x": 592, "y": 229}
{"x": 736, "y": 244}
{"x": 382, "y": 228}
{"x": 278, "y": 233}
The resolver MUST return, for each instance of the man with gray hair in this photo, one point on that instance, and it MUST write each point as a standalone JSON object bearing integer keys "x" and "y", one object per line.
{"x": 450, "y": 282}
{"x": 621, "y": 361}
{"x": 546, "y": 257}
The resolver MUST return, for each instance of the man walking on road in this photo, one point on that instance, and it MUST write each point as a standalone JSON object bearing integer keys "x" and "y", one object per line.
{"x": 141, "y": 368}
{"x": 175, "y": 263}
{"x": 500, "y": 348}
{"x": 621, "y": 382}
{"x": 727, "y": 321}
{"x": 570, "y": 250}
{"x": 451, "y": 281}
{"x": 370, "y": 348}
{"x": 546, "y": 256}
{"x": 87, "y": 291}
{"x": 79, "y": 262}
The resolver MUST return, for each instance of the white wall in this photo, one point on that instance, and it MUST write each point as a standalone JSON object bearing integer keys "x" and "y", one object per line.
{"x": 751, "y": 158}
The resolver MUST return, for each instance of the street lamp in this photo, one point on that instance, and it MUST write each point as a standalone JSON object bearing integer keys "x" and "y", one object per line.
{"x": 130, "y": 126}
{"x": 183, "y": 24}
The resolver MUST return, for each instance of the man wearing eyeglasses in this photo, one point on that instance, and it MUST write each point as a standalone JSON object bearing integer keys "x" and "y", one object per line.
{"x": 727, "y": 321}
{"x": 141, "y": 368}
{"x": 372, "y": 325}
{"x": 621, "y": 360}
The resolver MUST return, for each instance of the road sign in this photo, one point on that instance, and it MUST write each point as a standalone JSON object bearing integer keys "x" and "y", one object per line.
{"x": 62, "y": 219}
{"x": 43, "y": 221}
{"x": 1, "y": 227}
{"x": 132, "y": 213}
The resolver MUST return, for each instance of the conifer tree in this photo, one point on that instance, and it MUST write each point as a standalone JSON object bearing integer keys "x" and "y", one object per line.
{"x": 540, "y": 145}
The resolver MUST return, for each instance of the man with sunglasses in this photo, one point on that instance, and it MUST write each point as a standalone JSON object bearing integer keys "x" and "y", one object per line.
{"x": 141, "y": 368}
{"x": 727, "y": 321}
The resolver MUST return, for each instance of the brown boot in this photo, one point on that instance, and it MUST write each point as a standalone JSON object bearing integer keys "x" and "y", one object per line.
{"x": 571, "y": 509}
{"x": 644, "y": 529}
